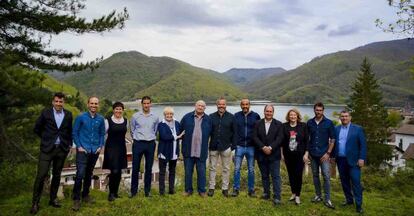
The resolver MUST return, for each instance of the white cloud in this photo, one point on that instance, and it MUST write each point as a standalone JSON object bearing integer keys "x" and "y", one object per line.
{"x": 219, "y": 35}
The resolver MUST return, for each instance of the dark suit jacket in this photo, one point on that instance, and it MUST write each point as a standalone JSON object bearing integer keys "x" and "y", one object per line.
{"x": 271, "y": 139}
{"x": 48, "y": 132}
{"x": 356, "y": 145}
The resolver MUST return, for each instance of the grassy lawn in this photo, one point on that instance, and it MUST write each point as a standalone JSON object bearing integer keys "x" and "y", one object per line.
{"x": 375, "y": 203}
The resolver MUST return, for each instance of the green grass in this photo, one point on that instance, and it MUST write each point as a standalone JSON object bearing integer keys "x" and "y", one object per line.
{"x": 375, "y": 203}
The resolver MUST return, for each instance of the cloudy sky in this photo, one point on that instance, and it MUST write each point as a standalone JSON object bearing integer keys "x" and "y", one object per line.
{"x": 222, "y": 34}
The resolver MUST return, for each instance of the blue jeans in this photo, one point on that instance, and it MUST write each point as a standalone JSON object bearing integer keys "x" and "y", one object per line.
{"x": 240, "y": 153}
{"x": 350, "y": 179}
{"x": 326, "y": 173}
{"x": 271, "y": 168}
{"x": 189, "y": 163}
{"x": 139, "y": 149}
{"x": 85, "y": 163}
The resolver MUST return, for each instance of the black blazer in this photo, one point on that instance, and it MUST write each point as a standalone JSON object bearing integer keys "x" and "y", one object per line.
{"x": 48, "y": 132}
{"x": 271, "y": 139}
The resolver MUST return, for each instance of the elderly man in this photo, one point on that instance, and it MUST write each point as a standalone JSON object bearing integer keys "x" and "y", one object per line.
{"x": 197, "y": 128}
{"x": 88, "y": 135}
{"x": 351, "y": 153}
{"x": 221, "y": 144}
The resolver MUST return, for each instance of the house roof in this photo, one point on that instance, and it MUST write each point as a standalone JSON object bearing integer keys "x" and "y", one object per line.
{"x": 409, "y": 153}
{"x": 407, "y": 129}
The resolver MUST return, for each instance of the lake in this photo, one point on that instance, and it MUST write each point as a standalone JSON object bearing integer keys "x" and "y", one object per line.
{"x": 180, "y": 109}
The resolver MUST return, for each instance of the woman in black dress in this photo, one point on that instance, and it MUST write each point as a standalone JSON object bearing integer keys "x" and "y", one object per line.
{"x": 295, "y": 151}
{"x": 115, "y": 150}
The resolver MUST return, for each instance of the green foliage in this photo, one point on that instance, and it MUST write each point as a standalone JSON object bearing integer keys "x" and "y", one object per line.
{"x": 394, "y": 118}
{"x": 327, "y": 78}
{"x": 405, "y": 21}
{"x": 16, "y": 178}
{"x": 28, "y": 25}
{"x": 368, "y": 111}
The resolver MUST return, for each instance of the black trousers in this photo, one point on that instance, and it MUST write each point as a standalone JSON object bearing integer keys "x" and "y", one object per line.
{"x": 139, "y": 149}
{"x": 171, "y": 174}
{"x": 294, "y": 164}
{"x": 57, "y": 158}
{"x": 114, "y": 180}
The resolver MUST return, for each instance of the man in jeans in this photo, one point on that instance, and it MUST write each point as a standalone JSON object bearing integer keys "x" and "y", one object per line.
{"x": 88, "y": 135}
{"x": 322, "y": 140}
{"x": 144, "y": 126}
{"x": 221, "y": 145}
{"x": 245, "y": 121}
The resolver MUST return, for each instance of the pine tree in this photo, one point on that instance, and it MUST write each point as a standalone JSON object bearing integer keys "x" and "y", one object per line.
{"x": 368, "y": 111}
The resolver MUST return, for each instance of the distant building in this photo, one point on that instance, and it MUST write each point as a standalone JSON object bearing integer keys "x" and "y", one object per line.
{"x": 402, "y": 141}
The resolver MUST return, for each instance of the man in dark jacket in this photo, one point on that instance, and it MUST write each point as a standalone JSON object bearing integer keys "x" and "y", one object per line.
{"x": 197, "y": 129}
{"x": 221, "y": 144}
{"x": 266, "y": 136}
{"x": 54, "y": 127}
{"x": 245, "y": 121}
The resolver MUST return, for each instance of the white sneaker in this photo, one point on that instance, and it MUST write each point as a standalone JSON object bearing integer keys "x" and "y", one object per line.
{"x": 292, "y": 198}
{"x": 297, "y": 200}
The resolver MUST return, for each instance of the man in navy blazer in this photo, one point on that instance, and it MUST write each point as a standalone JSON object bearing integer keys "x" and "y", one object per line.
{"x": 351, "y": 153}
{"x": 54, "y": 127}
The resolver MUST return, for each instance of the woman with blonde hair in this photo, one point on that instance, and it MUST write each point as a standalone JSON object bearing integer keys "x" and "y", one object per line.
{"x": 295, "y": 150}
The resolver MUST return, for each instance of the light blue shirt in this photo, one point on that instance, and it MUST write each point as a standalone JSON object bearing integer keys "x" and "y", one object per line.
{"x": 343, "y": 135}
{"x": 144, "y": 127}
{"x": 58, "y": 119}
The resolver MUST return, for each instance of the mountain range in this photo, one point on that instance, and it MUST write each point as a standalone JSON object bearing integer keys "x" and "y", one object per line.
{"x": 328, "y": 78}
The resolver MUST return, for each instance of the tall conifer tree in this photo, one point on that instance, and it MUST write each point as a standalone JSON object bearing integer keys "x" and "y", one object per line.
{"x": 368, "y": 111}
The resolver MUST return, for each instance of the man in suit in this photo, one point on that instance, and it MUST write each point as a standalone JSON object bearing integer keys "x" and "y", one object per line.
{"x": 54, "y": 127}
{"x": 197, "y": 129}
{"x": 350, "y": 152}
{"x": 265, "y": 137}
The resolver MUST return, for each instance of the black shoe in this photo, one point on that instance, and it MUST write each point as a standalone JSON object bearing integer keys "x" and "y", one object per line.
{"x": 171, "y": 191}
{"x": 88, "y": 199}
{"x": 111, "y": 197}
{"x": 235, "y": 193}
{"x": 55, "y": 203}
{"x": 210, "y": 192}
{"x": 252, "y": 194}
{"x": 346, "y": 203}
{"x": 34, "y": 209}
{"x": 76, "y": 205}
{"x": 316, "y": 199}
{"x": 265, "y": 196}
{"x": 225, "y": 193}
{"x": 329, "y": 204}
{"x": 147, "y": 194}
{"x": 359, "y": 210}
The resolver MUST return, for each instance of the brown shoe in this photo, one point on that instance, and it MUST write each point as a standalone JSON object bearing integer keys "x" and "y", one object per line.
{"x": 202, "y": 194}
{"x": 76, "y": 205}
{"x": 187, "y": 194}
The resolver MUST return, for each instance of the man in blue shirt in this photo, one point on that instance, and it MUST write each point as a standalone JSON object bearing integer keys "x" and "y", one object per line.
{"x": 322, "y": 139}
{"x": 350, "y": 153}
{"x": 144, "y": 126}
{"x": 245, "y": 122}
{"x": 88, "y": 135}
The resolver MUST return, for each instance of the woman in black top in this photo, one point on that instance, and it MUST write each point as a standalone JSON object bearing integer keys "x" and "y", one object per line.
{"x": 295, "y": 150}
{"x": 115, "y": 148}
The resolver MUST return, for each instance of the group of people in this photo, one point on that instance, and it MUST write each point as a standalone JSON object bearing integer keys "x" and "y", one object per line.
{"x": 220, "y": 137}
